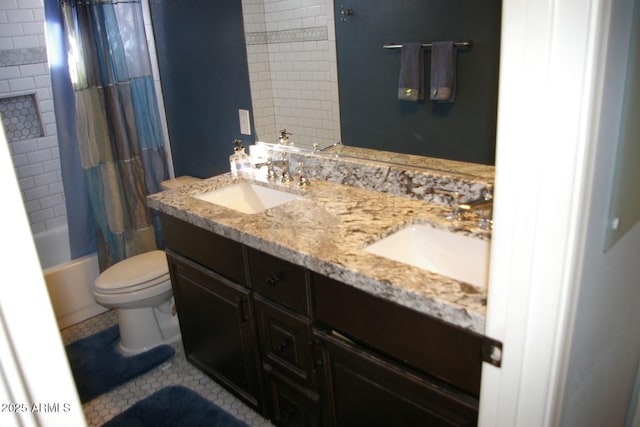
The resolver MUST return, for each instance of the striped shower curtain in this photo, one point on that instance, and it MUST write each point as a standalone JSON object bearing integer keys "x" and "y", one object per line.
{"x": 117, "y": 123}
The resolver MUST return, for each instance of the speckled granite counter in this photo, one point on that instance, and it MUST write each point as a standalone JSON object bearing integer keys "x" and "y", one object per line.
{"x": 450, "y": 167}
{"x": 326, "y": 230}
{"x": 401, "y": 174}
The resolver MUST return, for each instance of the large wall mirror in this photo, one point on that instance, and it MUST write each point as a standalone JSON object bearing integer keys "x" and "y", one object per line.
{"x": 319, "y": 70}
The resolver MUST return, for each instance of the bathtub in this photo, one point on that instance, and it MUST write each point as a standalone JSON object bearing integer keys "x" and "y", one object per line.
{"x": 69, "y": 282}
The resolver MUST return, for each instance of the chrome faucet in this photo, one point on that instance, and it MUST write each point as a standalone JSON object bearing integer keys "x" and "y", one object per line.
{"x": 271, "y": 172}
{"x": 303, "y": 180}
{"x": 283, "y": 163}
{"x": 456, "y": 212}
{"x": 484, "y": 204}
{"x": 284, "y": 137}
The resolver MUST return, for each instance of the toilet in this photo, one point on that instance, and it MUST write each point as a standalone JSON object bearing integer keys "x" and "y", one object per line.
{"x": 139, "y": 289}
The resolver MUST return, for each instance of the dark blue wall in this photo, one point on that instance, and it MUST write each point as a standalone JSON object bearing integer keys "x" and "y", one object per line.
{"x": 205, "y": 80}
{"x": 371, "y": 116}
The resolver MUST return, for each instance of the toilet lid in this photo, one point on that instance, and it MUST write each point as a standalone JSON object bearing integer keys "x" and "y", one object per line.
{"x": 135, "y": 273}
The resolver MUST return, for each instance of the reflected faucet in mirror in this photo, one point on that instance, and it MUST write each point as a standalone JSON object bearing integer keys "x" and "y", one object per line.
{"x": 482, "y": 205}
{"x": 308, "y": 59}
{"x": 270, "y": 163}
{"x": 284, "y": 137}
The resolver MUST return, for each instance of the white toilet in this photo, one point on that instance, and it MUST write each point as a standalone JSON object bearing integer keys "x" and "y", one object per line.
{"x": 139, "y": 289}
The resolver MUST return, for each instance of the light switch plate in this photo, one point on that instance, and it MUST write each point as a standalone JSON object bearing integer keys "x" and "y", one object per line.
{"x": 245, "y": 124}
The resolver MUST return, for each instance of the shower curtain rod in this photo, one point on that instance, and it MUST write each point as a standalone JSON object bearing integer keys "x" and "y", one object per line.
{"x": 467, "y": 43}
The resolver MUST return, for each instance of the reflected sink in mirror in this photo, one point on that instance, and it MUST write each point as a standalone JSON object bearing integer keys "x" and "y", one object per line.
{"x": 247, "y": 198}
{"x": 453, "y": 255}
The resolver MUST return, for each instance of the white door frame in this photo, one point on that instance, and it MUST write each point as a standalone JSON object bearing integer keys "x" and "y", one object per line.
{"x": 33, "y": 364}
{"x": 550, "y": 93}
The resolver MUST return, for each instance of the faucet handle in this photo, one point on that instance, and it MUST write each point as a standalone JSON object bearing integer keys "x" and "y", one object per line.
{"x": 456, "y": 211}
{"x": 485, "y": 219}
{"x": 488, "y": 192}
{"x": 271, "y": 172}
{"x": 286, "y": 175}
{"x": 284, "y": 137}
{"x": 303, "y": 181}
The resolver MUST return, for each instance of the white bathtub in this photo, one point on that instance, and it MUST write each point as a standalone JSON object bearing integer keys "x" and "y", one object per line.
{"x": 69, "y": 282}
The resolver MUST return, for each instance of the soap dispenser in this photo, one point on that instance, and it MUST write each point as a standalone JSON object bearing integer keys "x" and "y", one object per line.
{"x": 239, "y": 161}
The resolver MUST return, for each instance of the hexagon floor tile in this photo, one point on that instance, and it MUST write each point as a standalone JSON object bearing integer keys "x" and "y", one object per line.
{"x": 175, "y": 372}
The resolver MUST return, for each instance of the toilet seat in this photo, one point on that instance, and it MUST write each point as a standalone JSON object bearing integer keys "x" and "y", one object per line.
{"x": 134, "y": 274}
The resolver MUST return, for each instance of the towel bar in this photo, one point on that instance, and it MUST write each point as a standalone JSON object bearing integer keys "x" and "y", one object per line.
{"x": 467, "y": 43}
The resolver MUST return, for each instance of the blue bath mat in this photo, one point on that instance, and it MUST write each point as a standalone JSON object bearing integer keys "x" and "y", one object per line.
{"x": 97, "y": 366}
{"x": 174, "y": 406}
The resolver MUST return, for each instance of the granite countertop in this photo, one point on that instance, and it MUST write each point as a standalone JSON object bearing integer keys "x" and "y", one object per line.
{"x": 450, "y": 167}
{"x": 325, "y": 231}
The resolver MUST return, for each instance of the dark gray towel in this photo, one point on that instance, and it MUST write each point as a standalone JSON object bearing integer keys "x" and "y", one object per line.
{"x": 411, "y": 81}
{"x": 443, "y": 72}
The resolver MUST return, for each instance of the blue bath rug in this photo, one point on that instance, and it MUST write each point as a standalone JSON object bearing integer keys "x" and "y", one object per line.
{"x": 98, "y": 367}
{"x": 174, "y": 406}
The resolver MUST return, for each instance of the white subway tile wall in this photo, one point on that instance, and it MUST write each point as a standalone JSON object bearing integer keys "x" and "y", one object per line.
{"x": 293, "y": 73}
{"x": 24, "y": 72}
{"x": 24, "y": 79}
{"x": 292, "y": 69}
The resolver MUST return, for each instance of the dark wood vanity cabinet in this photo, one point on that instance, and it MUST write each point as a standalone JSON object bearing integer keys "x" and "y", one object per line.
{"x": 218, "y": 327}
{"x": 446, "y": 352}
{"x": 285, "y": 340}
{"x": 306, "y": 350}
{"x": 215, "y": 307}
{"x": 282, "y": 307}
{"x": 361, "y": 387}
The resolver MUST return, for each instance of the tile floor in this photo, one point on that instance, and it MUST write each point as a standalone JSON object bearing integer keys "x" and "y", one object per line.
{"x": 176, "y": 371}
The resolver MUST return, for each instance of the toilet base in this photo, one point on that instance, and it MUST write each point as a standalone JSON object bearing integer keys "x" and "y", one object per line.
{"x": 144, "y": 328}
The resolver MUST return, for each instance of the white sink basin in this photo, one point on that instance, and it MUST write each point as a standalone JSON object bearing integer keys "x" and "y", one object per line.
{"x": 247, "y": 198}
{"x": 453, "y": 255}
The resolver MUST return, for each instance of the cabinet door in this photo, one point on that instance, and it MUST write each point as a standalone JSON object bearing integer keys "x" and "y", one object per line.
{"x": 430, "y": 345}
{"x": 218, "y": 330}
{"x": 360, "y": 388}
{"x": 291, "y": 405}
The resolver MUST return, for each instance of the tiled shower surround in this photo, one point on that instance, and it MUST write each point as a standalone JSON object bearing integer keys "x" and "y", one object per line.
{"x": 292, "y": 69}
{"x": 20, "y": 118}
{"x": 293, "y": 72}
{"x": 30, "y": 129}
{"x": 24, "y": 74}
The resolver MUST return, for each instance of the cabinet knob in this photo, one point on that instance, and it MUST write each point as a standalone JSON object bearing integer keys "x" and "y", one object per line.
{"x": 273, "y": 279}
{"x": 282, "y": 345}
{"x": 288, "y": 414}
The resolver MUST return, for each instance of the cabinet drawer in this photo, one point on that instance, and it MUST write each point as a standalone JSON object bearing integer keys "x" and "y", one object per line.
{"x": 289, "y": 404}
{"x": 285, "y": 340}
{"x": 433, "y": 346}
{"x": 279, "y": 280}
{"x": 224, "y": 256}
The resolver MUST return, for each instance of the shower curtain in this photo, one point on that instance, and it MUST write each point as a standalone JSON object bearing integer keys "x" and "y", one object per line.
{"x": 117, "y": 124}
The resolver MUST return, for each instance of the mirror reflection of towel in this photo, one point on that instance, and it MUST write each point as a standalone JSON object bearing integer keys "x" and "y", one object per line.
{"x": 443, "y": 72}
{"x": 411, "y": 81}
